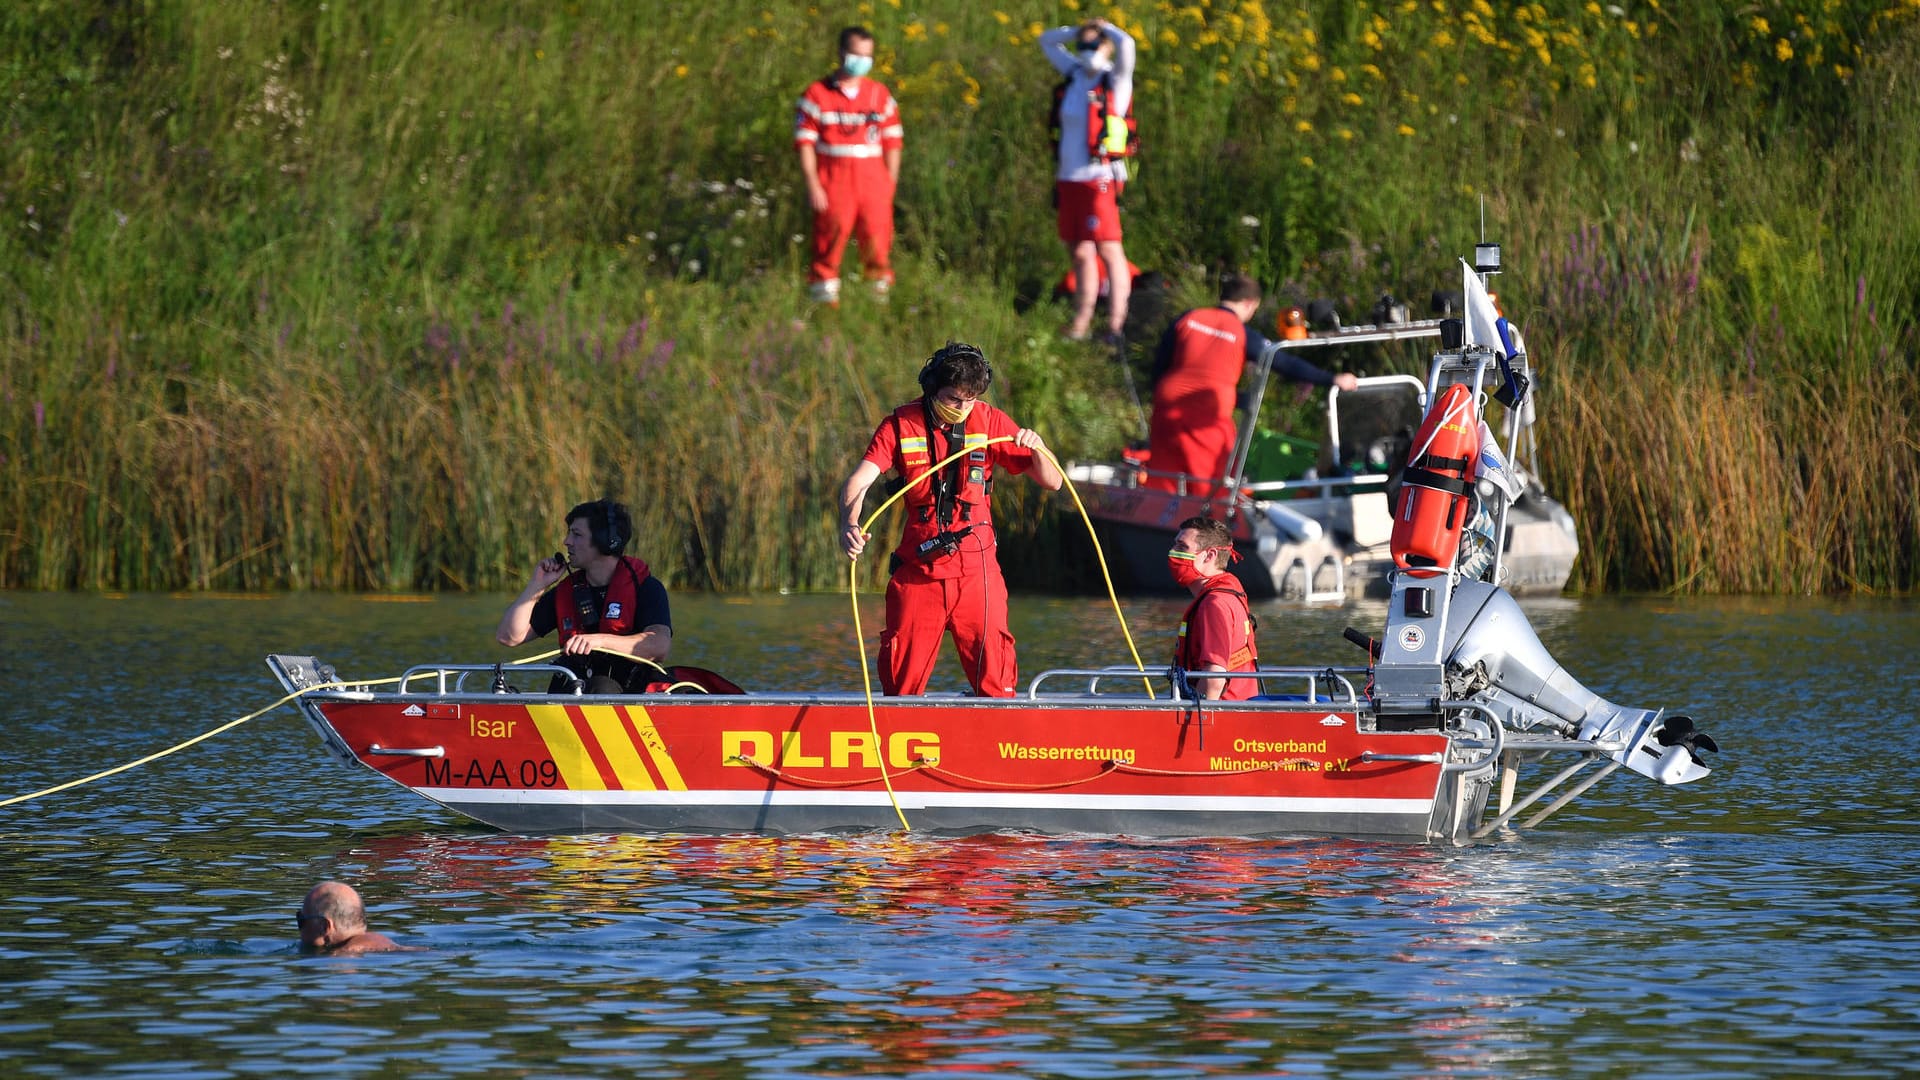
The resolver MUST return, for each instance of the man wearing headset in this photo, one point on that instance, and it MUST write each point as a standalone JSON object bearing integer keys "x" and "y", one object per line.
{"x": 596, "y": 597}
{"x": 946, "y": 575}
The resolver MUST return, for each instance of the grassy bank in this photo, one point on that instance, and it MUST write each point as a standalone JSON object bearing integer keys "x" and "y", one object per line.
{"x": 360, "y": 296}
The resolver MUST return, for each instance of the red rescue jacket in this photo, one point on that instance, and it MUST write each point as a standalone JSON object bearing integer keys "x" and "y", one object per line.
{"x": 1099, "y": 107}
{"x": 619, "y": 611}
{"x": 970, "y": 479}
{"x": 1245, "y": 658}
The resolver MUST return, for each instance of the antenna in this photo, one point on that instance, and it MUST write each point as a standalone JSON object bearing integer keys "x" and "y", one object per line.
{"x": 1486, "y": 254}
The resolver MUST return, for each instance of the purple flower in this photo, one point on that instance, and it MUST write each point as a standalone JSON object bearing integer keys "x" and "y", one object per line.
{"x": 39, "y": 416}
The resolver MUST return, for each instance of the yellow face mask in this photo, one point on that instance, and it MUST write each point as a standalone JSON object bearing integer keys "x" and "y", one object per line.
{"x": 949, "y": 414}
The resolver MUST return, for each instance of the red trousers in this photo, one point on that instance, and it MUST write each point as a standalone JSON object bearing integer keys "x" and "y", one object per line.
{"x": 1196, "y": 451}
{"x": 859, "y": 206}
{"x": 919, "y": 614}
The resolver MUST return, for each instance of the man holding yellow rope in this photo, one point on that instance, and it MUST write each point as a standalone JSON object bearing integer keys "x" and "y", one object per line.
{"x": 945, "y": 573}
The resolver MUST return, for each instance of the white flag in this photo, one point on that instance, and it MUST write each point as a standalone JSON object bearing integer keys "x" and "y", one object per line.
{"x": 1483, "y": 320}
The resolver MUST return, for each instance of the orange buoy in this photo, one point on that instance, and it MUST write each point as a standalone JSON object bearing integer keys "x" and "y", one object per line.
{"x": 1433, "y": 490}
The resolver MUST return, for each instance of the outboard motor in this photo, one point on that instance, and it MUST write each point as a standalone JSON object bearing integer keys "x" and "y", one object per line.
{"x": 1490, "y": 634}
{"x": 1474, "y": 643}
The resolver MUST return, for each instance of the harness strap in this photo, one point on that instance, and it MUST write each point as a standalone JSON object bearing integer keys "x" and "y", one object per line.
{"x": 1424, "y": 478}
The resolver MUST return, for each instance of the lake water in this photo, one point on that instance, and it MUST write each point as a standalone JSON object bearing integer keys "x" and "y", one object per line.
{"x": 1761, "y": 922}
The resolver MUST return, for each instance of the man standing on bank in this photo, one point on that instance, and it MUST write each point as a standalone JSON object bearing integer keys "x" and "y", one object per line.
{"x": 1195, "y": 371}
{"x": 1216, "y": 633}
{"x": 946, "y": 573}
{"x": 848, "y": 135}
{"x": 1090, "y": 116}
{"x": 597, "y": 597}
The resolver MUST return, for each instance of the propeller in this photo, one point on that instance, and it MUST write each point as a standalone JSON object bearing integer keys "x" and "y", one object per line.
{"x": 1681, "y": 731}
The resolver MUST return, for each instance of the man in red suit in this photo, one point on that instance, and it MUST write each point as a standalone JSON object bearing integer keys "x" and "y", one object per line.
{"x": 1196, "y": 370}
{"x": 848, "y": 135}
{"x": 946, "y": 571}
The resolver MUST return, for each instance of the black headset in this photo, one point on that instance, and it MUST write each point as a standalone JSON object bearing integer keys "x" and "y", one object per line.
{"x": 930, "y": 371}
{"x": 610, "y": 525}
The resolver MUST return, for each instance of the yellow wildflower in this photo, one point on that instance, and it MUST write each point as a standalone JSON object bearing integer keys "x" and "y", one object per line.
{"x": 914, "y": 31}
{"x": 1307, "y": 161}
{"x": 1443, "y": 40}
{"x": 680, "y": 72}
{"x": 1337, "y": 75}
{"x": 1169, "y": 38}
{"x": 1373, "y": 70}
{"x": 1352, "y": 98}
{"x": 1405, "y": 130}
{"x": 1346, "y": 134}
{"x": 1760, "y": 27}
{"x": 1222, "y": 77}
{"x": 1783, "y": 49}
{"x": 1303, "y": 126}
{"x": 1002, "y": 18}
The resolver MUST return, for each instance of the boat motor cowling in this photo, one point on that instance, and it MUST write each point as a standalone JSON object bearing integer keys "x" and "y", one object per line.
{"x": 1488, "y": 629}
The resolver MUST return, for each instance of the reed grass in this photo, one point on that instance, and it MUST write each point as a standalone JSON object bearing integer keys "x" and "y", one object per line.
{"x": 362, "y": 296}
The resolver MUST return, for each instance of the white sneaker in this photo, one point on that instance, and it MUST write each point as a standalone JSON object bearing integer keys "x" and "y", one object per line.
{"x": 882, "y": 290}
{"x": 825, "y": 292}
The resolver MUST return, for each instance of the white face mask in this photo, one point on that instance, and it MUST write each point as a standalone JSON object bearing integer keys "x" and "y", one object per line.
{"x": 1096, "y": 62}
{"x": 856, "y": 65}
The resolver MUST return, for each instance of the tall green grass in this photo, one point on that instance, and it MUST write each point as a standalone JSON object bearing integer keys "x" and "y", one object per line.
{"x": 362, "y": 296}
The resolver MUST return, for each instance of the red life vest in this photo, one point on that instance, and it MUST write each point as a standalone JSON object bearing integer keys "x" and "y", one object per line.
{"x": 1099, "y": 107}
{"x": 1246, "y": 658}
{"x": 968, "y": 483}
{"x": 619, "y": 609}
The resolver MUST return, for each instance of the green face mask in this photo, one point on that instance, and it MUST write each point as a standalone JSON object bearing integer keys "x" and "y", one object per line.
{"x": 856, "y": 66}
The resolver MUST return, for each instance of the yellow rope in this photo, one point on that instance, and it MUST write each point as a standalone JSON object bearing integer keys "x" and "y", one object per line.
{"x": 866, "y": 678}
{"x": 229, "y": 726}
{"x": 853, "y": 593}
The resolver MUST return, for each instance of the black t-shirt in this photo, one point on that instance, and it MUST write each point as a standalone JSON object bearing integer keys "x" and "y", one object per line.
{"x": 650, "y": 602}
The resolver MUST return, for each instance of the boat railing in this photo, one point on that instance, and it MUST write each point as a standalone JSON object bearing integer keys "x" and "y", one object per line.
{"x": 1323, "y": 487}
{"x": 439, "y": 672}
{"x": 1327, "y": 686}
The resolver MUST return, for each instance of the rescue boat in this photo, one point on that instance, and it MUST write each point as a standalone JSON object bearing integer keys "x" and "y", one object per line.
{"x": 1430, "y": 739}
{"x": 1315, "y": 523}
{"x": 1426, "y": 741}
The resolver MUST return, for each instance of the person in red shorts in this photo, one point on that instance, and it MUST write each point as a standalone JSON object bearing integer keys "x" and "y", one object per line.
{"x": 1097, "y": 61}
{"x": 1216, "y": 633}
{"x": 1196, "y": 370}
{"x": 946, "y": 572}
{"x": 847, "y": 132}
